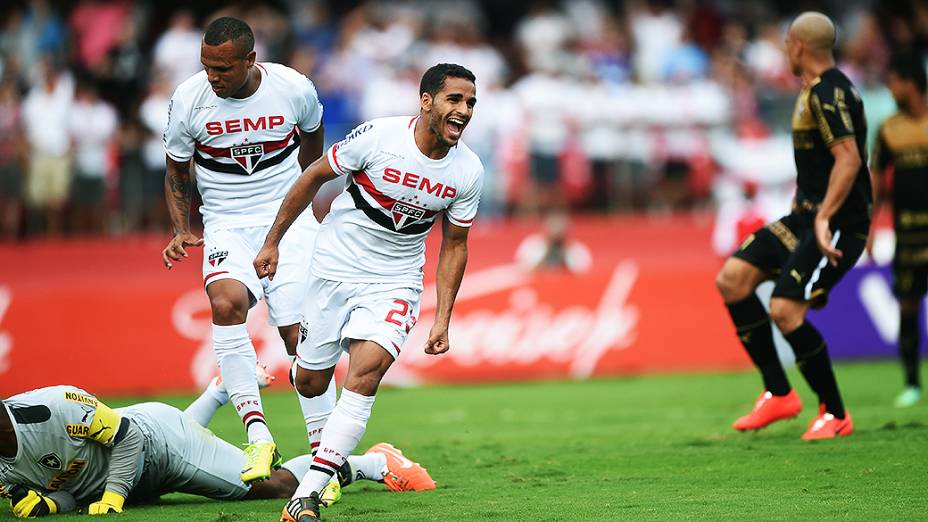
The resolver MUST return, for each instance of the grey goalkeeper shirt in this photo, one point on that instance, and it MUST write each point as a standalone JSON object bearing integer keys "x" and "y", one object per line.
{"x": 69, "y": 441}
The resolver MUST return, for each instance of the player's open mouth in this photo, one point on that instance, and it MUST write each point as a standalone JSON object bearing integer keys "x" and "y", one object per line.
{"x": 456, "y": 127}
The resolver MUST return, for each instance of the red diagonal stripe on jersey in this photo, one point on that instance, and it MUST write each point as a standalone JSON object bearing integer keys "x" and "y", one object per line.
{"x": 269, "y": 146}
{"x": 411, "y": 121}
{"x": 362, "y": 179}
{"x": 320, "y": 460}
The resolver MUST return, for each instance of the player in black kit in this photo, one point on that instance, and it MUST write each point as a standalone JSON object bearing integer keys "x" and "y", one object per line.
{"x": 807, "y": 252}
{"x": 902, "y": 143}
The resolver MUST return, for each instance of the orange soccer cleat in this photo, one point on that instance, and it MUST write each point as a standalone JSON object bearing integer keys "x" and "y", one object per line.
{"x": 827, "y": 426}
{"x": 402, "y": 473}
{"x": 770, "y": 408}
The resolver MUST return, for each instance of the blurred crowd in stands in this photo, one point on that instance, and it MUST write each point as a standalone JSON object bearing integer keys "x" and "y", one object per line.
{"x": 584, "y": 105}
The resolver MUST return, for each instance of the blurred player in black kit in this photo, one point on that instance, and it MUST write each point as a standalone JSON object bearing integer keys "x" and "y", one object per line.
{"x": 902, "y": 144}
{"x": 808, "y": 251}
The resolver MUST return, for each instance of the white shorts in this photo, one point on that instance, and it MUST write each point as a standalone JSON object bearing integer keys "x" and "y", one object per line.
{"x": 229, "y": 253}
{"x": 338, "y": 312}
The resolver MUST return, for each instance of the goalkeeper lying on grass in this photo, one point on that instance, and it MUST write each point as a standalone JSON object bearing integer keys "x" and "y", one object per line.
{"x": 61, "y": 448}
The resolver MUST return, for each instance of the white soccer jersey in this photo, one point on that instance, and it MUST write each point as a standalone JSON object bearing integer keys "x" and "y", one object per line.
{"x": 245, "y": 150}
{"x": 376, "y": 229}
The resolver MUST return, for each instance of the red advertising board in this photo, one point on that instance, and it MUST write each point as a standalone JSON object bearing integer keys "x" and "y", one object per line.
{"x": 105, "y": 314}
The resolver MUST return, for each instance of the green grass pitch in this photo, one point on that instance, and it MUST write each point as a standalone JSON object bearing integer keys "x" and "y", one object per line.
{"x": 649, "y": 448}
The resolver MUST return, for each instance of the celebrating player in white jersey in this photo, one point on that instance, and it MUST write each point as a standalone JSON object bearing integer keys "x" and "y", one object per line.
{"x": 248, "y": 128}
{"x": 367, "y": 266}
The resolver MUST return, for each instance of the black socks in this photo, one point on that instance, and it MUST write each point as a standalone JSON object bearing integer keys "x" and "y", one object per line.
{"x": 908, "y": 347}
{"x": 756, "y": 334}
{"x": 815, "y": 365}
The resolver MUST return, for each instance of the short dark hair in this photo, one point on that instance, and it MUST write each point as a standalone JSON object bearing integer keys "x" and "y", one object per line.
{"x": 434, "y": 78}
{"x": 910, "y": 66}
{"x": 222, "y": 30}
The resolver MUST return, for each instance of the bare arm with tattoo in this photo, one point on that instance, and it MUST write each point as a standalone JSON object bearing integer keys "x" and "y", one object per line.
{"x": 178, "y": 194}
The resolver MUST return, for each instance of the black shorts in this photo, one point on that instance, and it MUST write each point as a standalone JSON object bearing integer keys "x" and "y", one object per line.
{"x": 910, "y": 268}
{"x": 786, "y": 250}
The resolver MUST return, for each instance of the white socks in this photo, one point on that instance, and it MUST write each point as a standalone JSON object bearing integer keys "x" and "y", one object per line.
{"x": 372, "y": 466}
{"x": 342, "y": 433}
{"x": 205, "y": 406}
{"x": 237, "y": 360}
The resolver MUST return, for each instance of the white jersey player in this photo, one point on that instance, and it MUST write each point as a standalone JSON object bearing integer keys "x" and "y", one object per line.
{"x": 247, "y": 128}
{"x": 367, "y": 266}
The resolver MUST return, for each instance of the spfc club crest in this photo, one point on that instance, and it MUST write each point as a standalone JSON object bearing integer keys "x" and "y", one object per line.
{"x": 51, "y": 461}
{"x": 216, "y": 258}
{"x": 404, "y": 213}
{"x": 248, "y": 155}
{"x": 304, "y": 331}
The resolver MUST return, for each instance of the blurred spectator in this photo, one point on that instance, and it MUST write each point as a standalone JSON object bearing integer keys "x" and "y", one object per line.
{"x": 92, "y": 126}
{"x": 543, "y": 97}
{"x": 657, "y": 31}
{"x": 122, "y": 74}
{"x": 552, "y": 248}
{"x": 132, "y": 174}
{"x": 153, "y": 116}
{"x": 685, "y": 62}
{"x": 11, "y": 172}
{"x": 543, "y": 34}
{"x": 177, "y": 51}
{"x": 46, "y": 113}
{"x": 96, "y": 26}
{"x": 29, "y": 35}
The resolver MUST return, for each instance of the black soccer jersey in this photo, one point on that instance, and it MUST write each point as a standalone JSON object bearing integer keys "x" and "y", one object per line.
{"x": 903, "y": 143}
{"x": 830, "y": 110}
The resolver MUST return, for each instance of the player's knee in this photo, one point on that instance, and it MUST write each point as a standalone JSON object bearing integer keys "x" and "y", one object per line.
{"x": 227, "y": 311}
{"x": 786, "y": 314}
{"x": 310, "y": 385}
{"x": 732, "y": 287}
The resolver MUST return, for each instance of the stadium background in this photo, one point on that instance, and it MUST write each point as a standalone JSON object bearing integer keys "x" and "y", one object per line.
{"x": 628, "y": 147}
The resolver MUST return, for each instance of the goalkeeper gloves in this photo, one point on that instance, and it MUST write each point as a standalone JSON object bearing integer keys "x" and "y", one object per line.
{"x": 110, "y": 503}
{"x": 27, "y": 502}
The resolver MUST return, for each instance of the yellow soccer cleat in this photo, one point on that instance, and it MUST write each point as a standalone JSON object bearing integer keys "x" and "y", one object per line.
{"x": 260, "y": 459}
{"x": 331, "y": 493}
